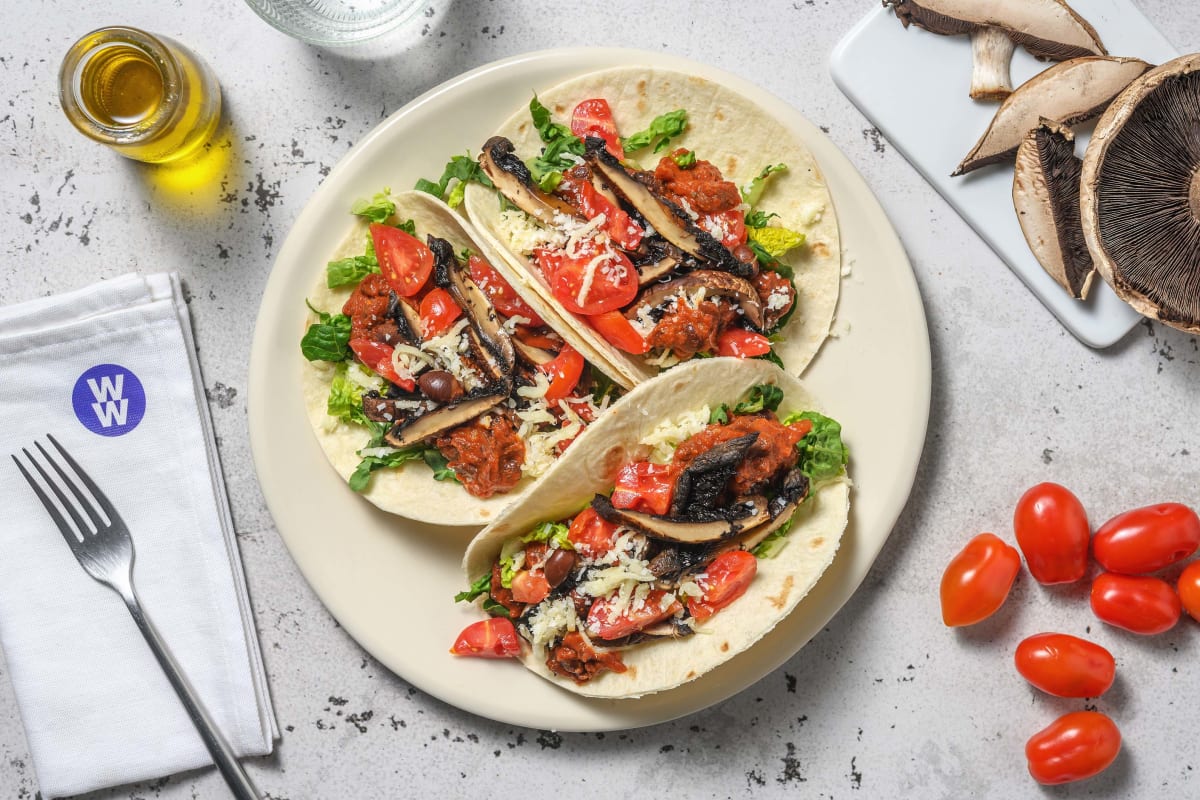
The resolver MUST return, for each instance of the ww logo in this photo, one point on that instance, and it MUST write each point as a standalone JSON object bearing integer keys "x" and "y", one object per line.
{"x": 109, "y": 400}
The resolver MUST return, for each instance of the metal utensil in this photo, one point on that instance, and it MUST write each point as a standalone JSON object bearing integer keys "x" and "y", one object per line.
{"x": 105, "y": 551}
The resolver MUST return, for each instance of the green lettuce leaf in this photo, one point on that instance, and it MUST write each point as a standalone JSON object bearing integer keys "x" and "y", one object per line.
{"x": 761, "y": 395}
{"x": 327, "y": 339}
{"x": 463, "y": 169}
{"x": 377, "y": 209}
{"x": 823, "y": 455}
{"x": 752, "y": 192}
{"x": 667, "y": 126}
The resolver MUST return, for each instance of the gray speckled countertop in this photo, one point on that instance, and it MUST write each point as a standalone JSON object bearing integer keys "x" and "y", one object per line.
{"x": 885, "y": 702}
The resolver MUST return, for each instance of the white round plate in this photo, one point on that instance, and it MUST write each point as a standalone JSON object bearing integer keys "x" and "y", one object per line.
{"x": 391, "y": 582}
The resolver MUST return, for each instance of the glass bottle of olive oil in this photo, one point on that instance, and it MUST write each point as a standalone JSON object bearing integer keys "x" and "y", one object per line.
{"x": 147, "y": 97}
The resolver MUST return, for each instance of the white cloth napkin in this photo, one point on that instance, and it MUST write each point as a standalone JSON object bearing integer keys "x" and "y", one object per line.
{"x": 111, "y": 372}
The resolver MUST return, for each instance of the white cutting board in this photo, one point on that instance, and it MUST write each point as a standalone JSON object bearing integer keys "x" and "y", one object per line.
{"x": 913, "y": 86}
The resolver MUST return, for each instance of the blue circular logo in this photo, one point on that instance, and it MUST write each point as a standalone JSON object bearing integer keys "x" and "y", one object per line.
{"x": 109, "y": 400}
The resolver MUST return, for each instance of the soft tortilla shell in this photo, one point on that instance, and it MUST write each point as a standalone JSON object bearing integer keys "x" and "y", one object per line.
{"x": 409, "y": 490}
{"x": 740, "y": 138}
{"x": 589, "y": 467}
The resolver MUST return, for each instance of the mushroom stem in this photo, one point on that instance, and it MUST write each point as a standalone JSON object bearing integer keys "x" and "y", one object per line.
{"x": 992, "y": 51}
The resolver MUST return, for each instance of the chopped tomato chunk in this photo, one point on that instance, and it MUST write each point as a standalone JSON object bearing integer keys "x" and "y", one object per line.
{"x": 724, "y": 580}
{"x": 590, "y": 534}
{"x": 644, "y": 486}
{"x": 564, "y": 372}
{"x": 608, "y": 623}
{"x": 378, "y": 357}
{"x": 618, "y": 332}
{"x": 593, "y": 279}
{"x": 503, "y": 297}
{"x": 488, "y": 638}
{"x": 742, "y": 343}
{"x": 530, "y": 586}
{"x": 594, "y": 118}
{"x": 404, "y": 260}
{"x": 438, "y": 312}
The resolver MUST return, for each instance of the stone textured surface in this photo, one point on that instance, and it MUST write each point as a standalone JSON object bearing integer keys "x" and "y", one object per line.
{"x": 885, "y": 701}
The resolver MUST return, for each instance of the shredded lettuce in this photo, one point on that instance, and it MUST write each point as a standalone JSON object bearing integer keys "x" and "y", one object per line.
{"x": 345, "y": 399}
{"x": 482, "y": 585}
{"x": 554, "y": 533}
{"x": 775, "y": 241}
{"x": 378, "y": 209}
{"x": 760, "y": 396}
{"x": 362, "y": 473}
{"x": 775, "y": 542}
{"x": 562, "y": 149}
{"x": 823, "y": 455}
{"x": 664, "y": 127}
{"x": 463, "y": 169}
{"x": 327, "y": 339}
{"x": 753, "y": 191}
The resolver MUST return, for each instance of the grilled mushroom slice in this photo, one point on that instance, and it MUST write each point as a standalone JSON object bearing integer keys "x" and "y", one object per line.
{"x": 1067, "y": 93}
{"x": 1046, "y": 197}
{"x": 474, "y": 303}
{"x": 1046, "y": 28}
{"x": 671, "y": 221}
{"x": 408, "y": 320}
{"x": 1140, "y": 195}
{"x": 418, "y": 429}
{"x": 658, "y": 259}
{"x": 715, "y": 284}
{"x": 704, "y": 479}
{"x": 532, "y": 355}
{"x": 512, "y": 179}
{"x": 746, "y": 514}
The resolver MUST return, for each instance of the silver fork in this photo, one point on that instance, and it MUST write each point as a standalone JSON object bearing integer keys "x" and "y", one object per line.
{"x": 105, "y": 551}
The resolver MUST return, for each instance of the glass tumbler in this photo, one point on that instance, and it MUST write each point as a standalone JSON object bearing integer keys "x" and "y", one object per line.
{"x": 336, "y": 22}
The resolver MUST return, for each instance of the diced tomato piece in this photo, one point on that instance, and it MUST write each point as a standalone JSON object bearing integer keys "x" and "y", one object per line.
{"x": 594, "y": 118}
{"x": 544, "y": 338}
{"x": 585, "y": 283}
{"x": 582, "y": 193}
{"x": 564, "y": 372}
{"x": 494, "y": 637}
{"x": 404, "y": 260}
{"x": 644, "y": 486}
{"x": 530, "y": 586}
{"x": 583, "y": 407}
{"x": 730, "y": 223}
{"x": 607, "y": 623}
{"x": 724, "y": 580}
{"x": 590, "y": 534}
{"x": 503, "y": 297}
{"x": 742, "y": 343}
{"x": 618, "y": 332}
{"x": 378, "y": 357}
{"x": 438, "y": 312}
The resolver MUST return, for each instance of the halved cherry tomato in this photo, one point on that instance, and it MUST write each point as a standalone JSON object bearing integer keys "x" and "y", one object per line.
{"x": 1142, "y": 605}
{"x": 594, "y": 118}
{"x": 404, "y": 260}
{"x": 590, "y": 534}
{"x": 741, "y": 343}
{"x": 730, "y": 224}
{"x": 725, "y": 579}
{"x": 500, "y": 293}
{"x": 978, "y": 579}
{"x": 1052, "y": 532}
{"x": 620, "y": 227}
{"x": 607, "y": 623}
{"x": 1073, "y": 747}
{"x": 1147, "y": 539}
{"x": 644, "y": 486}
{"x": 494, "y": 637}
{"x": 1065, "y": 665}
{"x": 1188, "y": 587}
{"x": 618, "y": 332}
{"x": 438, "y": 312}
{"x": 378, "y": 357}
{"x": 564, "y": 372}
{"x": 585, "y": 285}
{"x": 530, "y": 586}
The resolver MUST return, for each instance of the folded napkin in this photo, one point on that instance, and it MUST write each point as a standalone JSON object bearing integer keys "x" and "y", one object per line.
{"x": 111, "y": 371}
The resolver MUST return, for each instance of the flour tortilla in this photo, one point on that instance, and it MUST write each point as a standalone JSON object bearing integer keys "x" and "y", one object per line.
{"x": 589, "y": 467}
{"x": 409, "y": 490}
{"x": 738, "y": 137}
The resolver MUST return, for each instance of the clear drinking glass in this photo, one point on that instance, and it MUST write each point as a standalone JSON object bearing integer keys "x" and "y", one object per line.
{"x": 336, "y": 22}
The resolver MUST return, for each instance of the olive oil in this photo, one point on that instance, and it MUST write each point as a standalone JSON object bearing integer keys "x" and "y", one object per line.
{"x": 147, "y": 97}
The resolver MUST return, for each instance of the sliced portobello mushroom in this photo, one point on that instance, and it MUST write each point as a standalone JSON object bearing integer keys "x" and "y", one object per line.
{"x": 513, "y": 180}
{"x": 703, "y": 480}
{"x": 407, "y": 318}
{"x": 419, "y": 429}
{"x": 1046, "y": 197}
{"x": 715, "y": 284}
{"x": 1067, "y": 93}
{"x": 1140, "y": 194}
{"x": 530, "y": 354}
{"x": 485, "y": 322}
{"x": 658, "y": 259}
{"x": 669, "y": 220}
{"x": 747, "y": 513}
{"x": 1048, "y": 29}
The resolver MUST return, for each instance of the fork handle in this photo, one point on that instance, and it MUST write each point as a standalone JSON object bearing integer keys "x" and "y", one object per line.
{"x": 222, "y": 753}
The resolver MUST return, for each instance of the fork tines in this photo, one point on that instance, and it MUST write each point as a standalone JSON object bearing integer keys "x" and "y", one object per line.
{"x": 91, "y": 503}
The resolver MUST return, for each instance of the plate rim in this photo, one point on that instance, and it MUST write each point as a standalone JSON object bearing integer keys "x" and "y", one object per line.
{"x": 852, "y": 190}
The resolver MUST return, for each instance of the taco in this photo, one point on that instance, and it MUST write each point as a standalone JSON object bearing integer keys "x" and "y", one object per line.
{"x": 432, "y": 386}
{"x": 681, "y": 528}
{"x": 668, "y": 217}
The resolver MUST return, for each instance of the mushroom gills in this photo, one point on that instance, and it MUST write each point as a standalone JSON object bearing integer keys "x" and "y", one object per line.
{"x": 671, "y": 221}
{"x": 745, "y": 514}
{"x": 513, "y": 180}
{"x": 1046, "y": 197}
{"x": 1067, "y": 93}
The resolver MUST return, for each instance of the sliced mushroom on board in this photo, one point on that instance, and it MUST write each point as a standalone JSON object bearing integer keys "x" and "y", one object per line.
{"x": 1067, "y": 93}
{"x": 1140, "y": 194}
{"x": 1048, "y": 29}
{"x": 1046, "y": 197}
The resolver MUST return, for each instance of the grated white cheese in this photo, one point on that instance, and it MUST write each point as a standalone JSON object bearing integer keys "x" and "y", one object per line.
{"x": 668, "y": 434}
{"x": 551, "y": 619}
{"x": 778, "y": 299}
{"x": 360, "y": 377}
{"x": 525, "y": 235}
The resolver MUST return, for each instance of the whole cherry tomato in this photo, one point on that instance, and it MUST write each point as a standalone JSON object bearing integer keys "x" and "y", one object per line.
{"x": 404, "y": 260}
{"x": 1139, "y": 604}
{"x": 1189, "y": 589}
{"x": 1065, "y": 665}
{"x": 1147, "y": 539}
{"x": 1052, "y": 532}
{"x": 494, "y": 637}
{"x": 978, "y": 579}
{"x": 1073, "y": 747}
